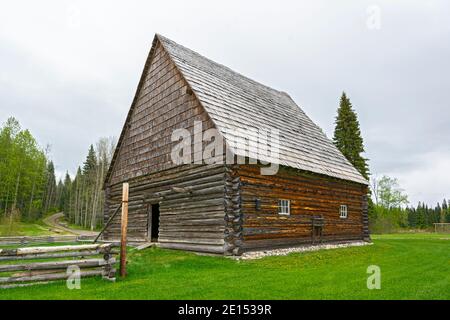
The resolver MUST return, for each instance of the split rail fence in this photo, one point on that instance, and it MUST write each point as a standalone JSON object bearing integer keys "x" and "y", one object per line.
{"x": 21, "y": 266}
{"x": 23, "y": 240}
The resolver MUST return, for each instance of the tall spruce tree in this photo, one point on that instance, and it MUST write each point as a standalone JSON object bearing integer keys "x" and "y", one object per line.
{"x": 50, "y": 190}
{"x": 348, "y": 138}
{"x": 65, "y": 197}
{"x": 83, "y": 197}
{"x": 91, "y": 161}
{"x": 412, "y": 217}
{"x": 447, "y": 211}
{"x": 421, "y": 215}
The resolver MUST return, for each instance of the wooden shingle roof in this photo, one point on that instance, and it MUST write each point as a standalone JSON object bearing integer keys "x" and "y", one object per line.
{"x": 236, "y": 102}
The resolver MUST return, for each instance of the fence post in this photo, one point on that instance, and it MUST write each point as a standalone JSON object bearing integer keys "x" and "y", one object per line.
{"x": 123, "y": 240}
{"x": 109, "y": 271}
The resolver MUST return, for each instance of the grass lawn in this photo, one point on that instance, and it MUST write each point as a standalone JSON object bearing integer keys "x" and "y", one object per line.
{"x": 26, "y": 229}
{"x": 77, "y": 227}
{"x": 412, "y": 267}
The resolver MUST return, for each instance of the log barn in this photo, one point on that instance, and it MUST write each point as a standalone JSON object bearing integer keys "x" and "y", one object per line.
{"x": 315, "y": 196}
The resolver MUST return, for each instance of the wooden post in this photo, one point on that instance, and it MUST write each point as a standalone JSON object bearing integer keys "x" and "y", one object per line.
{"x": 123, "y": 240}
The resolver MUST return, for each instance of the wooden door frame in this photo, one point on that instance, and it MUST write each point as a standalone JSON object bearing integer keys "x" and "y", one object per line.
{"x": 150, "y": 218}
{"x": 149, "y": 221}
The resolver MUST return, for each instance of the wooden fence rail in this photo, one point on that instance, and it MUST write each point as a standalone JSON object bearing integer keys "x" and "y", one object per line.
{"x": 42, "y": 239}
{"x": 102, "y": 263}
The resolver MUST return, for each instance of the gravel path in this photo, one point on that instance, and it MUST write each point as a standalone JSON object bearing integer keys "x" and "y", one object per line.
{"x": 286, "y": 251}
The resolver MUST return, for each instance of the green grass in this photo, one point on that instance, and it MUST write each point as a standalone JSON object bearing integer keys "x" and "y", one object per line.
{"x": 77, "y": 227}
{"x": 412, "y": 267}
{"x": 25, "y": 229}
{"x": 413, "y": 236}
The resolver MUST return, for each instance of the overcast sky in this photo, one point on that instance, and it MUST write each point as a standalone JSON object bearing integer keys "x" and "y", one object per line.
{"x": 69, "y": 69}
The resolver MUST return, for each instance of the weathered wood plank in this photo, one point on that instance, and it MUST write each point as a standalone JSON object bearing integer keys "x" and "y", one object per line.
{"x": 50, "y": 277}
{"x": 36, "y": 250}
{"x": 73, "y": 254}
{"x": 54, "y": 265}
{"x": 309, "y": 195}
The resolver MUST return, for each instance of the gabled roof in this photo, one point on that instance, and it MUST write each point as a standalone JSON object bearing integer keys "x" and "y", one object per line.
{"x": 234, "y": 101}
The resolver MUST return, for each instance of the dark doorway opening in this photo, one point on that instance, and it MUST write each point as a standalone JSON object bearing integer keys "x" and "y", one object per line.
{"x": 154, "y": 227}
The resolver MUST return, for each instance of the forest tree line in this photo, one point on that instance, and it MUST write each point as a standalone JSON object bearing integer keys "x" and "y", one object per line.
{"x": 27, "y": 177}
{"x": 29, "y": 188}
{"x": 391, "y": 211}
{"x": 82, "y": 198}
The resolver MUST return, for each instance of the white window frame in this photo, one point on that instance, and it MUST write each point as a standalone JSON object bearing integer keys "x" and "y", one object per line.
{"x": 284, "y": 207}
{"x": 343, "y": 211}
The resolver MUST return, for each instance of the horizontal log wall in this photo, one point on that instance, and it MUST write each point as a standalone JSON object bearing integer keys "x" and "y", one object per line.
{"x": 309, "y": 195}
{"x": 191, "y": 199}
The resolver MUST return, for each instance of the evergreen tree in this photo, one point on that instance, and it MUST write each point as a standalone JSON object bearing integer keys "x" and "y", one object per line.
{"x": 436, "y": 214}
{"x": 50, "y": 190}
{"x": 447, "y": 213}
{"x": 446, "y": 209}
{"x": 420, "y": 215}
{"x": 348, "y": 138}
{"x": 84, "y": 198}
{"x": 77, "y": 194}
{"x": 90, "y": 164}
{"x": 65, "y": 197}
{"x": 59, "y": 193}
{"x": 412, "y": 217}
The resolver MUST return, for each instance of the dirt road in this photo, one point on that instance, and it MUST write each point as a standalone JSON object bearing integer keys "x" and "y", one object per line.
{"x": 53, "y": 221}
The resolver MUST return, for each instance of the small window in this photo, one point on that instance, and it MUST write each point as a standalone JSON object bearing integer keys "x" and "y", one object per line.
{"x": 257, "y": 204}
{"x": 343, "y": 212}
{"x": 284, "y": 207}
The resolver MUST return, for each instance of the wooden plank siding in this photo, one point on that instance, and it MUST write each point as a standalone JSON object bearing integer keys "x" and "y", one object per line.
{"x": 191, "y": 220}
{"x": 164, "y": 103}
{"x": 309, "y": 195}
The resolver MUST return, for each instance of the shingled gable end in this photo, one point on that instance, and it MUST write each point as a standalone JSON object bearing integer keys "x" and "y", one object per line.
{"x": 316, "y": 194}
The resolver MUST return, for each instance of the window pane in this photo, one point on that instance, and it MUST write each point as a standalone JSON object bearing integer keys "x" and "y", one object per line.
{"x": 283, "y": 206}
{"x": 343, "y": 211}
